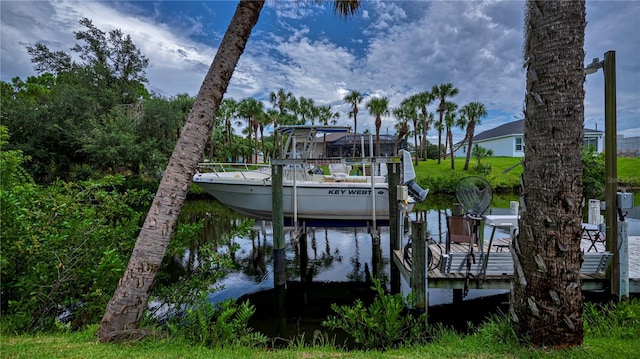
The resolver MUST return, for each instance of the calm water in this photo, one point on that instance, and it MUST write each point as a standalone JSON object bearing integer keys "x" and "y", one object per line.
{"x": 335, "y": 255}
{"x": 340, "y": 261}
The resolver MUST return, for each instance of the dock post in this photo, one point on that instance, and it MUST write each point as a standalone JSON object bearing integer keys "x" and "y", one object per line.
{"x": 622, "y": 260}
{"x": 418, "y": 267}
{"x": 277, "y": 218}
{"x": 393, "y": 171}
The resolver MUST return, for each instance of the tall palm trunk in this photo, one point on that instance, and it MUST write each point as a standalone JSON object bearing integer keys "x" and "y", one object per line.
{"x": 450, "y": 135}
{"x": 471, "y": 128}
{"x": 546, "y": 297}
{"x": 378, "y": 125}
{"x": 441, "y": 110}
{"x": 126, "y": 307}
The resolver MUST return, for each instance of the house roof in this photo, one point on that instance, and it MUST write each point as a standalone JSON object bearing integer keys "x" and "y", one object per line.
{"x": 509, "y": 129}
{"x": 347, "y": 138}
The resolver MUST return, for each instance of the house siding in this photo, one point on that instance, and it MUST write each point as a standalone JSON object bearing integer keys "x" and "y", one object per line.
{"x": 502, "y": 140}
{"x": 503, "y": 147}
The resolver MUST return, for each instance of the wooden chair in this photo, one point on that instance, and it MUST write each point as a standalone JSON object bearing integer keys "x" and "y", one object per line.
{"x": 461, "y": 230}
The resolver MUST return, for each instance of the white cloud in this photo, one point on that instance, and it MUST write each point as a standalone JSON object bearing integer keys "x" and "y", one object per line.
{"x": 391, "y": 49}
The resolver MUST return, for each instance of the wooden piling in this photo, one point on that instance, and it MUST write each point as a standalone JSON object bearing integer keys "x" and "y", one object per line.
{"x": 277, "y": 218}
{"x": 418, "y": 271}
{"x": 622, "y": 260}
{"x": 393, "y": 172}
{"x": 279, "y": 275}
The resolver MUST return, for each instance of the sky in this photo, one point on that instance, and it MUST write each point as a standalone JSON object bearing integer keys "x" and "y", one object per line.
{"x": 389, "y": 48}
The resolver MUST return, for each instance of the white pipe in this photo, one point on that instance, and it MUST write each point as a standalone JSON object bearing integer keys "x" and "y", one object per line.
{"x": 295, "y": 187}
{"x": 373, "y": 183}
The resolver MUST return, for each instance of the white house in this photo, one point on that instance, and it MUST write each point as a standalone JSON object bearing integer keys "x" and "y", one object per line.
{"x": 508, "y": 140}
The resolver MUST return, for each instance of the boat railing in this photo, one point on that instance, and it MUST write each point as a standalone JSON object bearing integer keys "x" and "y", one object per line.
{"x": 243, "y": 169}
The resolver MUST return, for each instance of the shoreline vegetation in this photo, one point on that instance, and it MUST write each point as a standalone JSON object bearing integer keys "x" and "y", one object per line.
{"x": 611, "y": 331}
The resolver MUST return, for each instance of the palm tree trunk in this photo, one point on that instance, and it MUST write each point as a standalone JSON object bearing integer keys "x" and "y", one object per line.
{"x": 126, "y": 307}
{"x": 470, "y": 130}
{"x": 450, "y": 134}
{"x": 441, "y": 110}
{"x": 415, "y": 141}
{"x": 546, "y": 297}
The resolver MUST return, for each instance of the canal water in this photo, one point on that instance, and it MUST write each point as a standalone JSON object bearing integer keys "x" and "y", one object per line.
{"x": 338, "y": 270}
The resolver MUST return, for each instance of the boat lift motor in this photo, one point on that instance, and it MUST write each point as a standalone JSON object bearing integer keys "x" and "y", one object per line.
{"x": 417, "y": 192}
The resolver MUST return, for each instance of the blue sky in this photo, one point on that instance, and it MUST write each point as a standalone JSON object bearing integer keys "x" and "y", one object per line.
{"x": 390, "y": 48}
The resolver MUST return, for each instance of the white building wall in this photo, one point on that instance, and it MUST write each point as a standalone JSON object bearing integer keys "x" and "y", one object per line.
{"x": 502, "y": 147}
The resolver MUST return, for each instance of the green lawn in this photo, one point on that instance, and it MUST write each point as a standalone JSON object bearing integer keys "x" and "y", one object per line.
{"x": 505, "y": 173}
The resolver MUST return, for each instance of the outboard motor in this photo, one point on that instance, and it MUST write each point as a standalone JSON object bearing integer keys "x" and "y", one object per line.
{"x": 415, "y": 190}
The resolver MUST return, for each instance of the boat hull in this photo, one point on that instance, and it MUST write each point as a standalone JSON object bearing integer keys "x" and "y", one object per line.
{"x": 323, "y": 201}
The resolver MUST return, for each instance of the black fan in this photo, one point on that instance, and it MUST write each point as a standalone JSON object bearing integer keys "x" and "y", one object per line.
{"x": 474, "y": 195}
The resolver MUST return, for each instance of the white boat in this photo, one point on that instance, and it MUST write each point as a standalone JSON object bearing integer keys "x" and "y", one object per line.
{"x": 308, "y": 193}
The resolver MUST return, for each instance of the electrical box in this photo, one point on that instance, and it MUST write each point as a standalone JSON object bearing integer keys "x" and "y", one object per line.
{"x": 403, "y": 193}
{"x": 624, "y": 200}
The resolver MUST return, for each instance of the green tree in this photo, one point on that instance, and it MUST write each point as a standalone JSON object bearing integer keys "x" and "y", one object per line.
{"x": 450, "y": 121}
{"x": 251, "y": 109}
{"x": 280, "y": 100}
{"x": 479, "y": 153}
{"x": 326, "y": 116}
{"x": 378, "y": 107}
{"x": 228, "y": 110}
{"x": 402, "y": 114}
{"x": 112, "y": 61}
{"x": 441, "y": 93}
{"x": 354, "y": 98}
{"x": 546, "y": 298}
{"x": 61, "y": 245}
{"x": 473, "y": 112}
{"x": 49, "y": 114}
{"x": 422, "y": 100}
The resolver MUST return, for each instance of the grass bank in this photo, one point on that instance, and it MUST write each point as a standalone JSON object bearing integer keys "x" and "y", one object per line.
{"x": 610, "y": 332}
{"x": 440, "y": 178}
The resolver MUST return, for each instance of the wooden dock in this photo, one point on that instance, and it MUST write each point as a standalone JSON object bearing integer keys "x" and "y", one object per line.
{"x": 499, "y": 269}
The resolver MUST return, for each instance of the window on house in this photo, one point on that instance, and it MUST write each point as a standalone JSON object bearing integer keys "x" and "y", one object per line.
{"x": 590, "y": 142}
{"x": 519, "y": 144}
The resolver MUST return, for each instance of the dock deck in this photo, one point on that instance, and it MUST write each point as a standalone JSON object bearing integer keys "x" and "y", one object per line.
{"x": 499, "y": 250}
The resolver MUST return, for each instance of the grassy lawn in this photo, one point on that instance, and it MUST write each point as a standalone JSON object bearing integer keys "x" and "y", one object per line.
{"x": 488, "y": 342}
{"x": 505, "y": 173}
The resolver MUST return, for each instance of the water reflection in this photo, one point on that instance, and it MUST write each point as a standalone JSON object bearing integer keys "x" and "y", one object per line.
{"x": 325, "y": 254}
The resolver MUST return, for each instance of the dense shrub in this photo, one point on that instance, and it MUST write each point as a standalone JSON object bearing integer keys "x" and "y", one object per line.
{"x": 63, "y": 246}
{"x": 384, "y": 324}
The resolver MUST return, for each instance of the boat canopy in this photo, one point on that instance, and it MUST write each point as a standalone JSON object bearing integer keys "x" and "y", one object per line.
{"x": 287, "y": 130}
{"x": 300, "y": 141}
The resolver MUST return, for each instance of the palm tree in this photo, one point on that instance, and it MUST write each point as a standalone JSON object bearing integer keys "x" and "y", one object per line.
{"x": 422, "y": 100}
{"x": 354, "y": 98}
{"x": 410, "y": 111}
{"x": 251, "y": 109}
{"x": 228, "y": 110}
{"x": 450, "y": 121}
{"x": 473, "y": 113}
{"x": 546, "y": 300}
{"x": 126, "y": 308}
{"x": 306, "y": 110}
{"x": 272, "y": 117}
{"x": 280, "y": 100}
{"x": 264, "y": 119}
{"x": 442, "y": 92}
{"x": 325, "y": 115}
{"x": 419, "y": 101}
{"x": 403, "y": 114}
{"x": 378, "y": 107}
